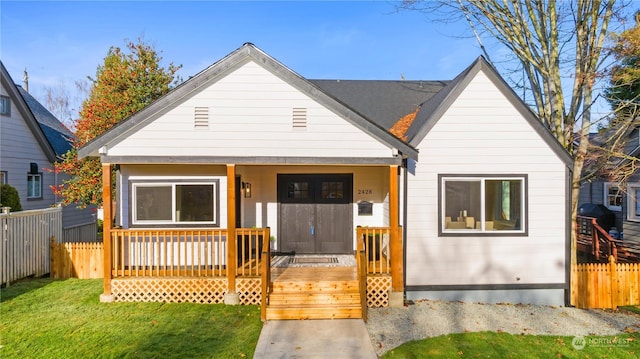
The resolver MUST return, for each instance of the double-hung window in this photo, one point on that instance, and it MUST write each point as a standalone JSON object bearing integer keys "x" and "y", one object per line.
{"x": 34, "y": 185}
{"x": 5, "y": 106}
{"x": 613, "y": 196}
{"x": 633, "y": 202}
{"x": 489, "y": 205}
{"x": 183, "y": 202}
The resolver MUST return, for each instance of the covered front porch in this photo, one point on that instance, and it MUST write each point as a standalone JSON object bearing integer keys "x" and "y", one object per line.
{"x": 233, "y": 265}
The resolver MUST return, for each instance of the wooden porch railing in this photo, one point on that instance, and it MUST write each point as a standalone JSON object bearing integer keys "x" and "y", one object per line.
{"x": 376, "y": 247}
{"x": 185, "y": 252}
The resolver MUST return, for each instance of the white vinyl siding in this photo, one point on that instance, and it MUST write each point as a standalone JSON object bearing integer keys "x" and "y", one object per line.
{"x": 251, "y": 113}
{"x": 483, "y": 134}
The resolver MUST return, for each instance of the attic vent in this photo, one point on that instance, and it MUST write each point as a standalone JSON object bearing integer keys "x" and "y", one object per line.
{"x": 299, "y": 119}
{"x": 201, "y": 117}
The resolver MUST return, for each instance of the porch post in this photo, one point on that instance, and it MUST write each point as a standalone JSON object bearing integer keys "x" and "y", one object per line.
{"x": 397, "y": 265}
{"x": 231, "y": 297}
{"x": 106, "y": 232}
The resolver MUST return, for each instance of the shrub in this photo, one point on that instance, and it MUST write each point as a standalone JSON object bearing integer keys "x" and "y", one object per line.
{"x": 9, "y": 197}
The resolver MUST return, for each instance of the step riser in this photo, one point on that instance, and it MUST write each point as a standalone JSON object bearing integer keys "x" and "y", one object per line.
{"x": 313, "y": 313}
{"x": 348, "y": 286}
{"x": 313, "y": 298}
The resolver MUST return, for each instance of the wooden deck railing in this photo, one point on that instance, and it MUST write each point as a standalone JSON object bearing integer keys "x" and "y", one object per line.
{"x": 198, "y": 252}
{"x": 376, "y": 248}
{"x": 600, "y": 245}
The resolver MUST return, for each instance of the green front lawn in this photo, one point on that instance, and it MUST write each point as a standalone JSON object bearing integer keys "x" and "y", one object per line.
{"x": 504, "y": 345}
{"x": 45, "y": 318}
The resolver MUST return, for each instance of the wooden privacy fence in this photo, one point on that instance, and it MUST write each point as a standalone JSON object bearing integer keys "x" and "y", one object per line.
{"x": 82, "y": 260}
{"x": 605, "y": 285}
{"x": 24, "y": 242}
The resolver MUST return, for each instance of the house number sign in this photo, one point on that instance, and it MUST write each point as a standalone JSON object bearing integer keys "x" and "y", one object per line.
{"x": 365, "y": 191}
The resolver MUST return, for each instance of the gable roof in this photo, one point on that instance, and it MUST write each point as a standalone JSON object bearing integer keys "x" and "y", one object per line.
{"x": 434, "y": 108}
{"x": 247, "y": 52}
{"x": 26, "y": 114}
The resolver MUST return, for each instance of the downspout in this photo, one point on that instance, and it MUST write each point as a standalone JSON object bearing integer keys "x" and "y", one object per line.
{"x": 405, "y": 196}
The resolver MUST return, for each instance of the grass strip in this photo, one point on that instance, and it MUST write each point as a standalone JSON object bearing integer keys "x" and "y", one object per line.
{"x": 505, "y": 345}
{"x": 45, "y": 318}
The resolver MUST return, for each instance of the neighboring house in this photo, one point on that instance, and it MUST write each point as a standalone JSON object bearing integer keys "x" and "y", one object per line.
{"x": 624, "y": 201}
{"x": 31, "y": 141}
{"x": 479, "y": 187}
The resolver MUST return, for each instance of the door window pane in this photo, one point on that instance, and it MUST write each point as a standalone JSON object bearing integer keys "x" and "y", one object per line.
{"x": 298, "y": 190}
{"x": 332, "y": 190}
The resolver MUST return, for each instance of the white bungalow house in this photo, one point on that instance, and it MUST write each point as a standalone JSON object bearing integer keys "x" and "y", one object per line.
{"x": 465, "y": 190}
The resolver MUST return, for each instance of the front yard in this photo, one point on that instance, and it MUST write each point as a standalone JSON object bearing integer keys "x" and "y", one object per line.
{"x": 45, "y": 318}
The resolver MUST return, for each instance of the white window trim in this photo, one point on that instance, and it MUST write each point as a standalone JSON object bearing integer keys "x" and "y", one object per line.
{"x": 632, "y": 214}
{"x": 173, "y": 182}
{"x": 605, "y": 193}
{"x": 6, "y": 109}
{"x": 39, "y": 175}
{"x": 482, "y": 179}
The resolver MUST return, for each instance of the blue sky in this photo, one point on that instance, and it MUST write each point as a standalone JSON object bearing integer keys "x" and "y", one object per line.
{"x": 60, "y": 42}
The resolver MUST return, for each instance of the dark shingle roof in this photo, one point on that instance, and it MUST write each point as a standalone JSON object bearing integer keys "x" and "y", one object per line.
{"x": 380, "y": 101}
{"x": 56, "y": 133}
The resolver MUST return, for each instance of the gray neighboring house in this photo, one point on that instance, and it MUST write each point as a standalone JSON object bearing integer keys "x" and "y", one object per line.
{"x": 31, "y": 141}
{"x": 624, "y": 202}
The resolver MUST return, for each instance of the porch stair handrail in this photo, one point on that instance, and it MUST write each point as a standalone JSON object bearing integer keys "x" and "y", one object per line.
{"x": 266, "y": 274}
{"x": 361, "y": 260}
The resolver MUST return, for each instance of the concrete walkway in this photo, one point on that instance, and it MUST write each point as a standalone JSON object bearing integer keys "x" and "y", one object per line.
{"x": 333, "y": 339}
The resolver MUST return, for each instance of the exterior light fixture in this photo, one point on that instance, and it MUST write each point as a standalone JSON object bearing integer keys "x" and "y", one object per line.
{"x": 246, "y": 188}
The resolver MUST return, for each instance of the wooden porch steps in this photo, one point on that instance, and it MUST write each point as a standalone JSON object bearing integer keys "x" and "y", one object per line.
{"x": 315, "y": 293}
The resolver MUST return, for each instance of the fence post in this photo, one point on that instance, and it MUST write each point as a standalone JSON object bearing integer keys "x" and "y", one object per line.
{"x": 613, "y": 275}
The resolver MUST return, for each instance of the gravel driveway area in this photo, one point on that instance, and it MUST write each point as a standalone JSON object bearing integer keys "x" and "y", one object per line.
{"x": 390, "y": 327}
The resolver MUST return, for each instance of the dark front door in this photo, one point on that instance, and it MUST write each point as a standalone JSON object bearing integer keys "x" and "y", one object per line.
{"x": 315, "y": 213}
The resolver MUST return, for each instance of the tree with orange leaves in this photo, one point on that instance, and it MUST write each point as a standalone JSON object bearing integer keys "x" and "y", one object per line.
{"x": 126, "y": 82}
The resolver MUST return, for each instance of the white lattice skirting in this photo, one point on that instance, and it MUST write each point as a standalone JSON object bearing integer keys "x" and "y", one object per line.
{"x": 180, "y": 290}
